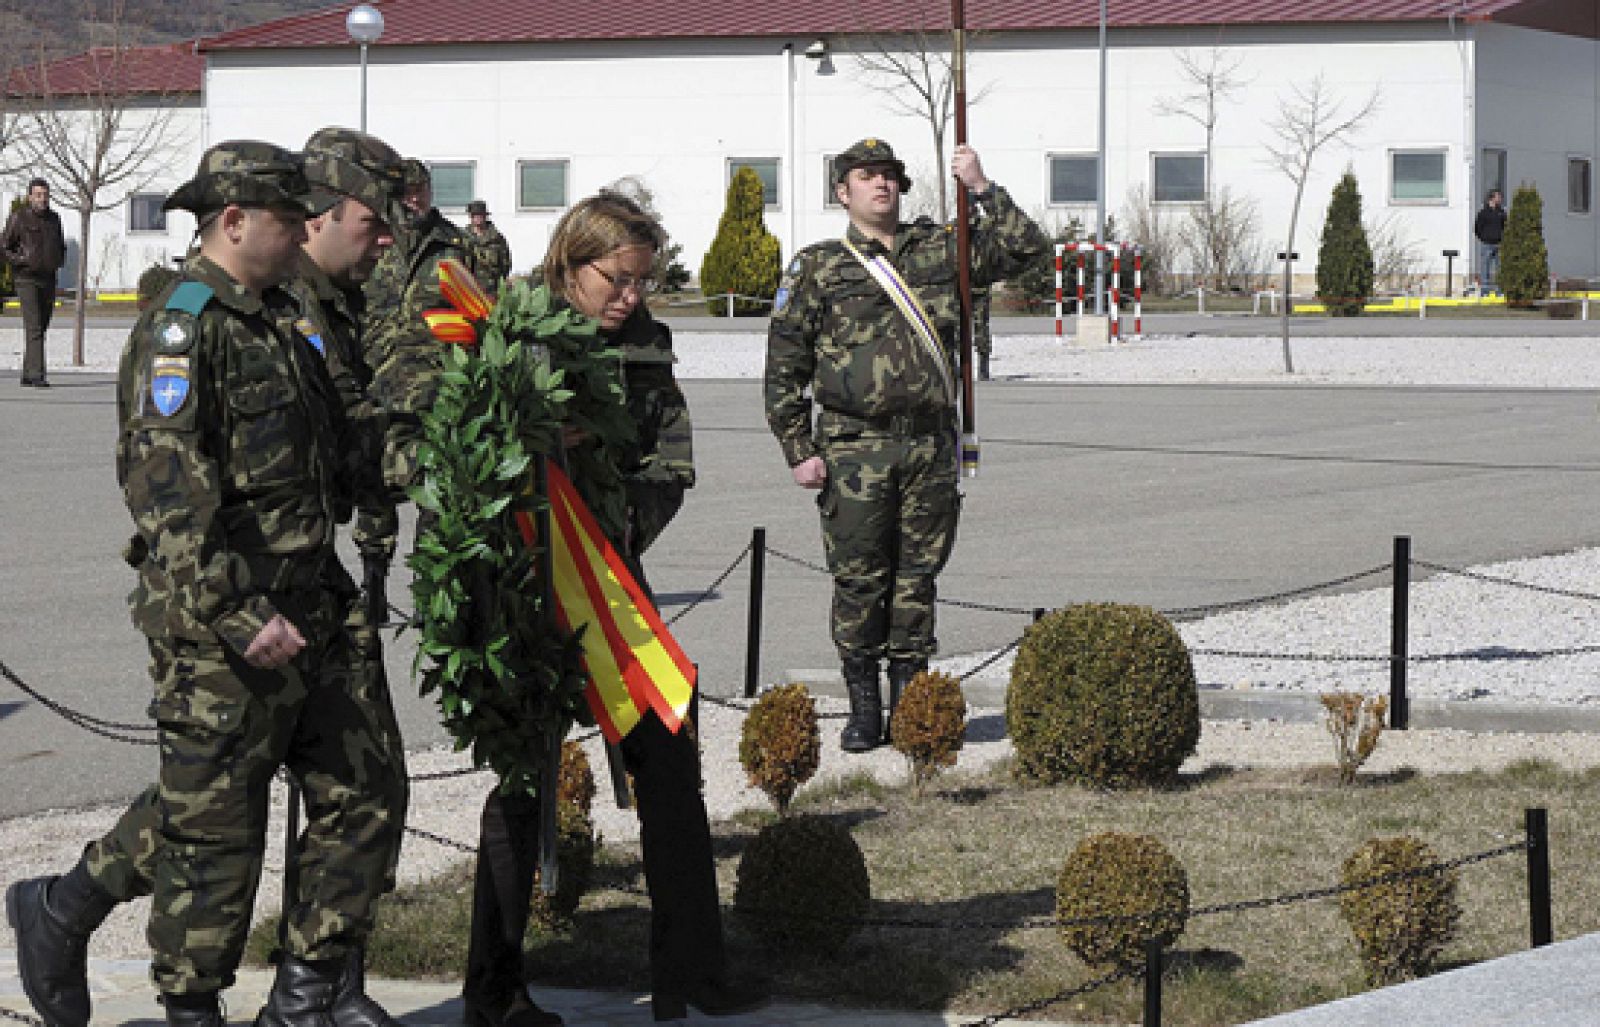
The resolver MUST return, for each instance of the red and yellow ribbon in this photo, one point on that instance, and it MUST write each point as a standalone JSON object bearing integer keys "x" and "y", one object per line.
{"x": 458, "y": 323}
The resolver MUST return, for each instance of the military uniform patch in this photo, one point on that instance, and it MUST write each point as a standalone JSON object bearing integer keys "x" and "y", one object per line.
{"x": 174, "y": 332}
{"x": 305, "y": 327}
{"x": 796, "y": 265}
{"x": 169, "y": 384}
{"x": 780, "y": 301}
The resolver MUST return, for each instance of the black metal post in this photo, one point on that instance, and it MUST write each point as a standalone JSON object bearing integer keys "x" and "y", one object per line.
{"x": 1152, "y": 983}
{"x": 1399, "y": 647}
{"x": 291, "y": 857}
{"x": 1449, "y": 276}
{"x": 752, "y": 643}
{"x": 1038, "y": 614}
{"x": 1540, "y": 930}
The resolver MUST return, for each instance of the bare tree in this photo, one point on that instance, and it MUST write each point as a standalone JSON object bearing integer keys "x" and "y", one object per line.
{"x": 914, "y": 73}
{"x": 99, "y": 138}
{"x": 1213, "y": 81}
{"x": 1308, "y": 119}
{"x": 13, "y": 125}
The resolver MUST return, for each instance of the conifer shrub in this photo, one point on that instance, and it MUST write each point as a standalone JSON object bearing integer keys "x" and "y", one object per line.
{"x": 802, "y": 883}
{"x": 930, "y": 724}
{"x": 1120, "y": 875}
{"x": 1524, "y": 261}
{"x": 780, "y": 744}
{"x": 575, "y": 851}
{"x": 744, "y": 258}
{"x": 1102, "y": 694}
{"x": 1344, "y": 259}
{"x": 1400, "y": 926}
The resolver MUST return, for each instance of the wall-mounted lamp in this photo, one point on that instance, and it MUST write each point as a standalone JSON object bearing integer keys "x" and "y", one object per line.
{"x": 818, "y": 50}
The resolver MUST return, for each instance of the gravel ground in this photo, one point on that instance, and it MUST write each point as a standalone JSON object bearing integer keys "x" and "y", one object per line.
{"x": 1502, "y": 625}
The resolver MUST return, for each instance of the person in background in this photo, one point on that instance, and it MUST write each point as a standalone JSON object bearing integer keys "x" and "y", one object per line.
{"x": 491, "y": 251}
{"x": 35, "y": 249}
{"x": 1490, "y": 227}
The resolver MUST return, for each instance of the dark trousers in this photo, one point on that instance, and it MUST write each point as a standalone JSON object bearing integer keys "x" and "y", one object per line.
{"x": 38, "y": 298}
{"x": 686, "y": 944}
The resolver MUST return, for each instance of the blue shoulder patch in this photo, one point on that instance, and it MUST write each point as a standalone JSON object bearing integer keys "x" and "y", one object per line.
{"x": 190, "y": 297}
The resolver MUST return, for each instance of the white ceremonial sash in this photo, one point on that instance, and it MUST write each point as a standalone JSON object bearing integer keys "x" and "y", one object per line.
{"x": 888, "y": 278}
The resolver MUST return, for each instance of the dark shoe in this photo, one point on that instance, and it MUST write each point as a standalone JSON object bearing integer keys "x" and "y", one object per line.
{"x": 194, "y": 1010}
{"x": 518, "y": 1011}
{"x": 302, "y": 994}
{"x": 983, "y": 367}
{"x": 900, "y": 674}
{"x": 711, "y": 998}
{"x": 352, "y": 1007}
{"x": 863, "y": 731}
{"x": 53, "y": 918}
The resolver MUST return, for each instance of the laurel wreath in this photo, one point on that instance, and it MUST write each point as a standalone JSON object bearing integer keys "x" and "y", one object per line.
{"x": 506, "y": 678}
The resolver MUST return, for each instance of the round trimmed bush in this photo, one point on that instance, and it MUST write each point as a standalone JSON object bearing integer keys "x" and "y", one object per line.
{"x": 1102, "y": 694}
{"x": 1400, "y": 926}
{"x": 801, "y": 883}
{"x": 930, "y": 724}
{"x": 780, "y": 744}
{"x": 1115, "y": 875}
{"x": 575, "y": 851}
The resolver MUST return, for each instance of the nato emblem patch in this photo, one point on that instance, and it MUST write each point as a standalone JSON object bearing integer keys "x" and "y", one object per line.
{"x": 309, "y": 330}
{"x": 169, "y": 384}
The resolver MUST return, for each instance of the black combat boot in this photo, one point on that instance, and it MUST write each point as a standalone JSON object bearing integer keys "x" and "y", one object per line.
{"x": 983, "y": 367}
{"x": 53, "y": 918}
{"x": 201, "y": 1010}
{"x": 302, "y": 993}
{"x": 352, "y": 1007}
{"x": 863, "y": 731}
{"x": 900, "y": 674}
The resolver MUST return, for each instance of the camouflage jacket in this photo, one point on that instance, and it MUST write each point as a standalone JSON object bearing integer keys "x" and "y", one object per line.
{"x": 837, "y": 340}
{"x": 332, "y": 320}
{"x": 405, "y": 358}
{"x": 228, "y": 454}
{"x": 491, "y": 256}
{"x": 665, "y": 465}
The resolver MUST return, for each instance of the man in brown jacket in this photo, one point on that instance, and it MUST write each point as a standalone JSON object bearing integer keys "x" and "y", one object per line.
{"x": 35, "y": 250}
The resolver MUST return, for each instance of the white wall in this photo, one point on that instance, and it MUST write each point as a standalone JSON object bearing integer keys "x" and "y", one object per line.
{"x": 675, "y": 111}
{"x": 1539, "y": 99}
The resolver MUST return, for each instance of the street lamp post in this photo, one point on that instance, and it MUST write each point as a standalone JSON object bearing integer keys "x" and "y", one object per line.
{"x": 364, "y": 24}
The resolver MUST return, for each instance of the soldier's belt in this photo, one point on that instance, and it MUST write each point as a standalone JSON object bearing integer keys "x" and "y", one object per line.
{"x": 926, "y": 422}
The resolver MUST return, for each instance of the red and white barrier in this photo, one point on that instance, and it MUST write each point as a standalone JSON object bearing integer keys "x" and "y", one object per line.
{"x": 1115, "y": 292}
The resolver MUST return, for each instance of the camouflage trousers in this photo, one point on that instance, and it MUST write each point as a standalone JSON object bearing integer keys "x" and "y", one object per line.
{"x": 196, "y": 838}
{"x": 889, "y": 511}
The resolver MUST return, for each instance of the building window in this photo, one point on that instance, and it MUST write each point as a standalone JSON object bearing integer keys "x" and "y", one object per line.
{"x": 1493, "y": 172}
{"x": 1075, "y": 178}
{"x": 829, "y": 197}
{"x": 1580, "y": 180}
{"x": 145, "y": 213}
{"x": 767, "y": 169}
{"x": 541, "y": 184}
{"x": 1416, "y": 176}
{"x": 453, "y": 184}
{"x": 1178, "y": 177}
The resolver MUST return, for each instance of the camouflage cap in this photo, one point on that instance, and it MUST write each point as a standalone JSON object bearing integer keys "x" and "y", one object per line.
{"x": 478, "y": 207}
{"x": 342, "y": 162}
{"x": 416, "y": 172}
{"x": 246, "y": 172}
{"x": 870, "y": 152}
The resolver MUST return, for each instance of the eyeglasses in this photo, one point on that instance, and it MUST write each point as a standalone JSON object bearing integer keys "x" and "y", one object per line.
{"x": 624, "y": 282}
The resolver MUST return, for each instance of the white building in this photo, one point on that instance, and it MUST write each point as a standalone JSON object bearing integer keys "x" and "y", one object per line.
{"x": 143, "y": 106}
{"x": 530, "y": 104}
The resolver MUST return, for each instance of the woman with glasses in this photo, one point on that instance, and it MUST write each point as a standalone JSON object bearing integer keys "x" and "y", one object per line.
{"x": 599, "y": 264}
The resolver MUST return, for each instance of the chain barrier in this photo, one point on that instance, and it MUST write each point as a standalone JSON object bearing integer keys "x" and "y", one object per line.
{"x": 798, "y": 562}
{"x": 1037, "y": 1005}
{"x": 712, "y": 588}
{"x": 991, "y": 660}
{"x": 439, "y": 839}
{"x": 1508, "y": 582}
{"x": 104, "y": 728}
{"x": 965, "y": 604}
{"x": 13, "y": 1015}
{"x": 1195, "y": 612}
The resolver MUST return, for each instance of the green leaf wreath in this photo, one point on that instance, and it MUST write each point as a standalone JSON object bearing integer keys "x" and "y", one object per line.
{"x": 507, "y": 679}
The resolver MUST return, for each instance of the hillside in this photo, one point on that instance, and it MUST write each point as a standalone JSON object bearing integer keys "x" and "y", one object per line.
{"x": 64, "y": 27}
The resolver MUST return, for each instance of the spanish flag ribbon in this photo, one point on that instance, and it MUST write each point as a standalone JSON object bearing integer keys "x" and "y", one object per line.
{"x": 633, "y": 662}
{"x": 462, "y": 291}
{"x": 450, "y": 326}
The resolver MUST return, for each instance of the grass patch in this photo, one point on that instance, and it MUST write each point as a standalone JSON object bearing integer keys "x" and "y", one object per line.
{"x": 984, "y": 849}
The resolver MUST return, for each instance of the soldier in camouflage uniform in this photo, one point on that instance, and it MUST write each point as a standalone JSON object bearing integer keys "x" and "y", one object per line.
{"x": 882, "y": 454}
{"x": 231, "y": 450}
{"x": 489, "y": 248}
{"x": 405, "y": 358}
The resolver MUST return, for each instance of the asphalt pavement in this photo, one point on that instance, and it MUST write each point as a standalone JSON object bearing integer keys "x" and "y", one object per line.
{"x": 1167, "y": 495}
